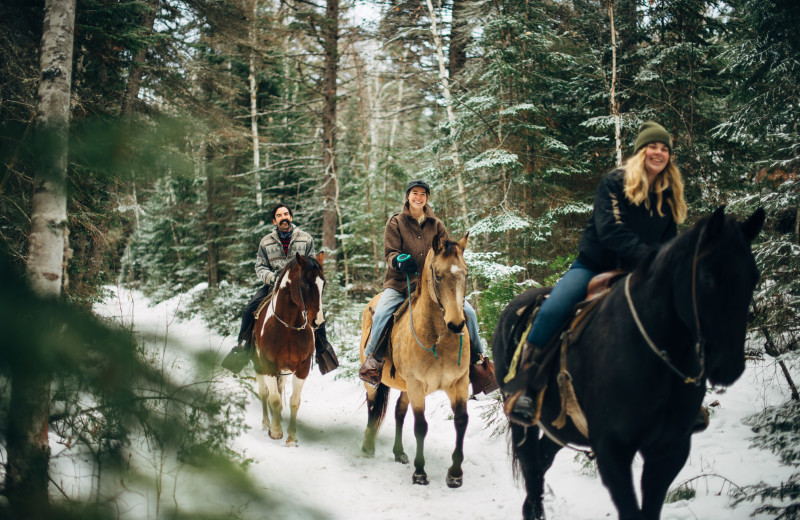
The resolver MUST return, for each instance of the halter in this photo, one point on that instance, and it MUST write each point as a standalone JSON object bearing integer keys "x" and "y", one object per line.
{"x": 411, "y": 320}
{"x": 700, "y": 343}
{"x": 305, "y": 313}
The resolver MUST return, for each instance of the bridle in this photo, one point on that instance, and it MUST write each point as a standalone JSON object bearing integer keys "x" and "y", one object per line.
{"x": 305, "y": 311}
{"x": 438, "y": 301}
{"x": 700, "y": 341}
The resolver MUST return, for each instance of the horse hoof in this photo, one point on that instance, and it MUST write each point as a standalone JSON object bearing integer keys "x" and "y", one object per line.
{"x": 275, "y": 436}
{"x": 291, "y": 443}
{"x": 421, "y": 479}
{"x": 454, "y": 482}
{"x": 367, "y": 451}
{"x": 402, "y": 458}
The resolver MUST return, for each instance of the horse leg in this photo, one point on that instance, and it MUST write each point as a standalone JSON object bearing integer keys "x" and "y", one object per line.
{"x": 400, "y": 410}
{"x": 455, "y": 475}
{"x": 275, "y": 406}
{"x": 534, "y": 457}
{"x": 417, "y": 399}
{"x": 377, "y": 400}
{"x": 294, "y": 405}
{"x": 661, "y": 466}
{"x": 614, "y": 464}
{"x": 263, "y": 394}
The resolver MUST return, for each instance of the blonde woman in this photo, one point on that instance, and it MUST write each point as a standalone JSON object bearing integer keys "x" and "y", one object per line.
{"x": 636, "y": 209}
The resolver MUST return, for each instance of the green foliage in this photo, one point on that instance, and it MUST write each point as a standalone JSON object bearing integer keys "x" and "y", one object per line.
{"x": 112, "y": 403}
{"x": 684, "y": 492}
{"x": 493, "y": 300}
{"x": 559, "y": 266}
{"x": 777, "y": 429}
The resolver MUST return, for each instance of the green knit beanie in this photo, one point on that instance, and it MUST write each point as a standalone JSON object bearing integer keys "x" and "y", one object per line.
{"x": 652, "y": 132}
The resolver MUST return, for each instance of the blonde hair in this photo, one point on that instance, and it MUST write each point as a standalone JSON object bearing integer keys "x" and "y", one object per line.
{"x": 637, "y": 188}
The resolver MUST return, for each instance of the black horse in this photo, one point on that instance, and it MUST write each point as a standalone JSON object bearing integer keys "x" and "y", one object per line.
{"x": 641, "y": 386}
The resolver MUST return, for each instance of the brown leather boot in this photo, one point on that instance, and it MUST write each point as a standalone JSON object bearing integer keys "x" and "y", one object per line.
{"x": 325, "y": 355}
{"x": 481, "y": 375}
{"x": 371, "y": 371}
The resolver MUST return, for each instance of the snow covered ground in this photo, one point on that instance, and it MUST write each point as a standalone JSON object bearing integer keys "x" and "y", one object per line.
{"x": 327, "y": 472}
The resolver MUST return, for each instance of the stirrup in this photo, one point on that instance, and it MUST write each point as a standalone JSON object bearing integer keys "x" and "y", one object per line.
{"x": 522, "y": 411}
{"x": 237, "y": 358}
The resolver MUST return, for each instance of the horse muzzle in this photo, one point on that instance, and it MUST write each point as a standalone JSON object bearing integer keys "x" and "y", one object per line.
{"x": 457, "y": 328}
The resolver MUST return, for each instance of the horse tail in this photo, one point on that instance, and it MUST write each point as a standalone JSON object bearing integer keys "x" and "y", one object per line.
{"x": 378, "y": 407}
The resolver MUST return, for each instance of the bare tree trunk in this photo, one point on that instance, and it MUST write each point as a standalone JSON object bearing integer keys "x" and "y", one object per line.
{"x": 448, "y": 99}
{"x": 330, "y": 189}
{"x": 613, "y": 97}
{"x": 212, "y": 225}
{"x": 254, "y": 108}
{"x": 137, "y": 70}
{"x": 28, "y": 450}
{"x": 459, "y": 40}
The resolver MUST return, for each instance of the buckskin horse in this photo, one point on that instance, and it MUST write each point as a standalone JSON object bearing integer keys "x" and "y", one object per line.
{"x": 429, "y": 352}
{"x": 640, "y": 366}
{"x": 284, "y": 340}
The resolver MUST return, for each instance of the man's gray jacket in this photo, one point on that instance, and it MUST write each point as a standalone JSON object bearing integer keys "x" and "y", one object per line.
{"x": 270, "y": 258}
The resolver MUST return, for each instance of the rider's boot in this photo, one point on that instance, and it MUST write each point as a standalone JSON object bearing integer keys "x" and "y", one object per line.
{"x": 372, "y": 370}
{"x": 238, "y": 357}
{"x": 481, "y": 374}
{"x": 530, "y": 379}
{"x": 325, "y": 355}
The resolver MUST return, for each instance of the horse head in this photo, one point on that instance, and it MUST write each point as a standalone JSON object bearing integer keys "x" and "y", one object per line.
{"x": 716, "y": 284}
{"x": 445, "y": 278}
{"x": 306, "y": 280}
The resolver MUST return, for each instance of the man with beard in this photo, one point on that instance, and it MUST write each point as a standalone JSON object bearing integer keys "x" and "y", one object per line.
{"x": 274, "y": 252}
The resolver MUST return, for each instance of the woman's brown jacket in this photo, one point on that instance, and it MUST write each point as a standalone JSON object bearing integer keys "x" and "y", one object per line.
{"x": 404, "y": 234}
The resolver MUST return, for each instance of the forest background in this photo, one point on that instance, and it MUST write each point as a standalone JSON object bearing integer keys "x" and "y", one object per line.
{"x": 188, "y": 120}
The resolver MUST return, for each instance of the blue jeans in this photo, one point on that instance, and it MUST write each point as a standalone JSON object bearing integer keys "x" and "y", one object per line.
{"x": 569, "y": 290}
{"x": 391, "y": 300}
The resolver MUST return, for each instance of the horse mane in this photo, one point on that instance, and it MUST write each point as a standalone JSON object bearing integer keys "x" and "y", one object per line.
{"x": 448, "y": 250}
{"x": 311, "y": 263}
{"x": 676, "y": 249}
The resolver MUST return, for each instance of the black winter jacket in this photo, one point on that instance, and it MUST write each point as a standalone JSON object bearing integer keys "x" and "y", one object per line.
{"x": 619, "y": 233}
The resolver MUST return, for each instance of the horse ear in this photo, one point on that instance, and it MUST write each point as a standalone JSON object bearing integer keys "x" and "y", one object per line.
{"x": 715, "y": 223}
{"x": 752, "y": 226}
{"x": 463, "y": 242}
{"x": 300, "y": 259}
{"x": 436, "y": 245}
{"x": 321, "y": 257}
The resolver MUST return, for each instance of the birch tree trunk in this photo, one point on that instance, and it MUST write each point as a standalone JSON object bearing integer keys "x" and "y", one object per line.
{"x": 27, "y": 475}
{"x": 448, "y": 99}
{"x": 613, "y": 96}
{"x": 254, "y": 108}
{"x": 330, "y": 188}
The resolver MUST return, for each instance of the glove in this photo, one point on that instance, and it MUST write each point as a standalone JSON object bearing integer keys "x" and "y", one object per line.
{"x": 269, "y": 279}
{"x": 404, "y": 264}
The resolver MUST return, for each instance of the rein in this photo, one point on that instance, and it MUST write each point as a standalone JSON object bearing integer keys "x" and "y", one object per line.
{"x": 699, "y": 345}
{"x": 411, "y": 321}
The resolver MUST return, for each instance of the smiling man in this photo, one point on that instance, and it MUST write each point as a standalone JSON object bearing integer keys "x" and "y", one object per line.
{"x": 274, "y": 252}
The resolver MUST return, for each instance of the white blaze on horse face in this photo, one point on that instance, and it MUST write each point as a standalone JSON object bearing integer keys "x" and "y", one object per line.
{"x": 320, "y": 316}
{"x": 455, "y": 269}
{"x": 285, "y": 281}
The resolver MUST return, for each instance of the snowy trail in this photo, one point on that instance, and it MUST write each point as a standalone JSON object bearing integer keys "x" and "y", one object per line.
{"x": 328, "y": 473}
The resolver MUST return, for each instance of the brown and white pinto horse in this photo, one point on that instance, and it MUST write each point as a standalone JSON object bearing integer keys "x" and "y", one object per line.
{"x": 283, "y": 336}
{"x": 436, "y": 321}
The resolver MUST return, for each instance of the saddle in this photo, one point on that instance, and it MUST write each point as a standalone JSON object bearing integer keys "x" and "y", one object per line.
{"x": 569, "y": 332}
{"x": 384, "y": 345}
